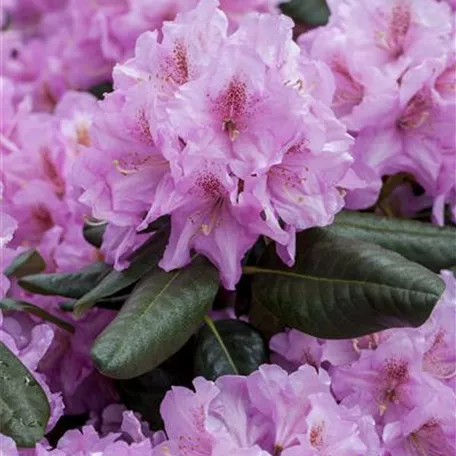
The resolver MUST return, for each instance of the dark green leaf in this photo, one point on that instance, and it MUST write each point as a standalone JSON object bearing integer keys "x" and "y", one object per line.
{"x": 264, "y": 320}
{"x": 70, "y": 285}
{"x": 311, "y": 12}
{"x": 386, "y": 201}
{"x": 66, "y": 423}
{"x": 94, "y": 232}
{"x": 246, "y": 348}
{"x": 146, "y": 258}
{"x": 254, "y": 254}
{"x": 24, "y": 409}
{"x": 21, "y": 306}
{"x": 145, "y": 393}
{"x": 158, "y": 224}
{"x": 162, "y": 313}
{"x": 343, "y": 288}
{"x": 100, "y": 89}
{"x": 67, "y": 306}
{"x": 110, "y": 303}
{"x": 29, "y": 262}
{"x": 429, "y": 245}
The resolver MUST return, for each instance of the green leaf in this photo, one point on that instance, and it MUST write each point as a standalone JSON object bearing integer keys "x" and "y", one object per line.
{"x": 93, "y": 233}
{"x": 7, "y": 304}
{"x": 311, "y": 12}
{"x": 235, "y": 348}
{"x": 101, "y": 89}
{"x": 24, "y": 409}
{"x": 145, "y": 393}
{"x": 429, "y": 245}
{"x": 145, "y": 259}
{"x": 386, "y": 202}
{"x": 264, "y": 320}
{"x": 29, "y": 262}
{"x": 158, "y": 224}
{"x": 70, "y": 285}
{"x": 343, "y": 288}
{"x": 110, "y": 303}
{"x": 162, "y": 313}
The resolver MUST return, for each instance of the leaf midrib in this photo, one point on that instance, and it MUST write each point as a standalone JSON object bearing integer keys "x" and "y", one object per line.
{"x": 255, "y": 270}
{"x": 178, "y": 272}
{"x": 137, "y": 320}
{"x": 430, "y": 233}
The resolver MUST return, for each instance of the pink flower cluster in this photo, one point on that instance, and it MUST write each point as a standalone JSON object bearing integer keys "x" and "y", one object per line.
{"x": 229, "y": 134}
{"x": 40, "y": 206}
{"x": 131, "y": 438}
{"x": 267, "y": 413}
{"x": 51, "y": 46}
{"x": 37, "y": 193}
{"x": 405, "y": 379}
{"x": 394, "y": 66}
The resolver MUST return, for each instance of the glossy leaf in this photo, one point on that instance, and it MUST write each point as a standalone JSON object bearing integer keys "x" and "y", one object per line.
{"x": 24, "y": 408}
{"x": 430, "y": 245}
{"x": 70, "y": 285}
{"x": 146, "y": 258}
{"x": 93, "y": 233}
{"x": 110, "y": 303}
{"x": 243, "y": 343}
{"x": 343, "y": 288}
{"x": 7, "y": 304}
{"x": 159, "y": 224}
{"x": 145, "y": 393}
{"x": 29, "y": 262}
{"x": 311, "y": 12}
{"x": 264, "y": 320}
{"x": 162, "y": 313}
{"x": 101, "y": 89}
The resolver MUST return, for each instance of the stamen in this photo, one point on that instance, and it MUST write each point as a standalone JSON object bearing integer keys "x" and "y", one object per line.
{"x": 390, "y": 396}
{"x": 122, "y": 170}
{"x": 230, "y": 127}
{"x": 416, "y": 444}
{"x": 214, "y": 218}
{"x": 82, "y": 135}
{"x": 407, "y": 123}
{"x": 136, "y": 167}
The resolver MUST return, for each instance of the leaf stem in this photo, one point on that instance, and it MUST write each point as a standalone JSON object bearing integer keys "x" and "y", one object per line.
{"x": 250, "y": 270}
{"x": 211, "y": 325}
{"x": 56, "y": 321}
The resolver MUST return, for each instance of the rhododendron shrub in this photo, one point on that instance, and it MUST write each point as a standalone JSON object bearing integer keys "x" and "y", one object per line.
{"x": 218, "y": 234}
